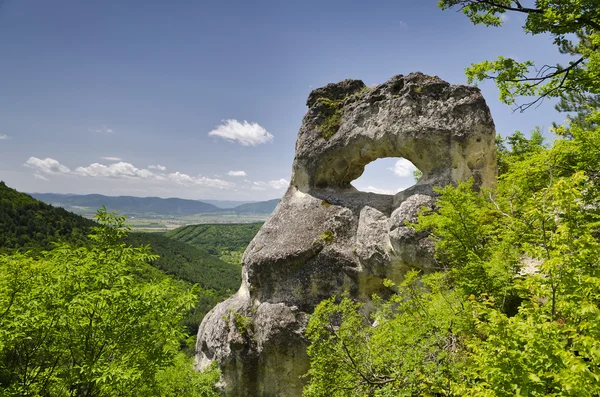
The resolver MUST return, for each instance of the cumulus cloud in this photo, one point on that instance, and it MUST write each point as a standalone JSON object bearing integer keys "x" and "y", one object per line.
{"x": 2, "y": 137}
{"x": 245, "y": 133}
{"x": 403, "y": 168}
{"x": 186, "y": 180}
{"x": 374, "y": 189}
{"x": 277, "y": 184}
{"x": 111, "y": 158}
{"x": 157, "y": 167}
{"x": 115, "y": 170}
{"x": 40, "y": 176}
{"x": 47, "y": 166}
{"x": 237, "y": 173}
{"x": 123, "y": 170}
{"x": 103, "y": 130}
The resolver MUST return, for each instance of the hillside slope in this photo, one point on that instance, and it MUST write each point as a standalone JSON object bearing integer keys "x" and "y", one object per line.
{"x": 261, "y": 207}
{"x": 190, "y": 263}
{"x": 29, "y": 224}
{"x": 227, "y": 241}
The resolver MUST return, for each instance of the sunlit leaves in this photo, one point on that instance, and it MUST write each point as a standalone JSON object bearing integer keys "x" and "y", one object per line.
{"x": 575, "y": 28}
{"x": 518, "y": 300}
{"x": 82, "y": 322}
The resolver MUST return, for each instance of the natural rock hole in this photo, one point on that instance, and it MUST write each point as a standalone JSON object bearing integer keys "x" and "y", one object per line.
{"x": 325, "y": 238}
{"x": 388, "y": 175}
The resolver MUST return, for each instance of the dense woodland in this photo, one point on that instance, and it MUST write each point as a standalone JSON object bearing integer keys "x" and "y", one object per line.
{"x": 29, "y": 224}
{"x": 227, "y": 241}
{"x": 120, "y": 278}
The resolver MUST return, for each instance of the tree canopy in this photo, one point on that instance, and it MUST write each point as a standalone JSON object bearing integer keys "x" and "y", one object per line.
{"x": 575, "y": 28}
{"x": 515, "y": 311}
{"x": 88, "y": 321}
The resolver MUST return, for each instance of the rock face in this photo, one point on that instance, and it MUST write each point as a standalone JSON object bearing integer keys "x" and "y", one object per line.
{"x": 325, "y": 237}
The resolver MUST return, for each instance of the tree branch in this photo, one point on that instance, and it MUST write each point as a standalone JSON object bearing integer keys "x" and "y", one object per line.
{"x": 549, "y": 76}
{"x": 519, "y": 7}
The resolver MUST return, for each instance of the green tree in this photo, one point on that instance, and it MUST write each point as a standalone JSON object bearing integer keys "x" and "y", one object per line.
{"x": 575, "y": 28}
{"x": 87, "y": 321}
{"x": 409, "y": 347}
{"x": 518, "y": 295}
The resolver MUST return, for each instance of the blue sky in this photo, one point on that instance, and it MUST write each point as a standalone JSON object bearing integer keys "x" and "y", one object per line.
{"x": 120, "y": 97}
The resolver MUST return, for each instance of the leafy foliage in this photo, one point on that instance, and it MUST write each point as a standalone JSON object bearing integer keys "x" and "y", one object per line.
{"x": 192, "y": 265}
{"x": 227, "y": 241}
{"x": 80, "y": 321}
{"x": 515, "y": 309}
{"x": 409, "y": 348}
{"x": 29, "y": 224}
{"x": 575, "y": 28}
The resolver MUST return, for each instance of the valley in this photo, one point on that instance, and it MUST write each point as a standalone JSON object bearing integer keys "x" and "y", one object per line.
{"x": 154, "y": 214}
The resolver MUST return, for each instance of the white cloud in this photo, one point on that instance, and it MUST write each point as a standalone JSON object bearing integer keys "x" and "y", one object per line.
{"x": 115, "y": 170}
{"x": 123, "y": 170}
{"x": 186, "y": 180}
{"x": 3, "y": 137}
{"x": 374, "y": 189}
{"x": 47, "y": 166}
{"x": 258, "y": 186}
{"x": 111, "y": 158}
{"x": 504, "y": 17}
{"x": 182, "y": 179}
{"x": 246, "y": 134}
{"x": 40, "y": 176}
{"x": 403, "y": 168}
{"x": 157, "y": 167}
{"x": 279, "y": 184}
{"x": 103, "y": 130}
{"x": 276, "y": 184}
{"x": 236, "y": 173}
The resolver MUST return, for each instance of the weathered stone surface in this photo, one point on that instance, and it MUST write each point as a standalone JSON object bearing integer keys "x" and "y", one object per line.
{"x": 325, "y": 237}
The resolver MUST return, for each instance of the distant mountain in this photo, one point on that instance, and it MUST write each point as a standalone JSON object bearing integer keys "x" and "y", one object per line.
{"x": 261, "y": 207}
{"x": 226, "y": 204}
{"x": 149, "y": 206}
{"x": 127, "y": 205}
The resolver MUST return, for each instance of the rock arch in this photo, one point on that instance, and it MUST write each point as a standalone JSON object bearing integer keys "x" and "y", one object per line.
{"x": 325, "y": 237}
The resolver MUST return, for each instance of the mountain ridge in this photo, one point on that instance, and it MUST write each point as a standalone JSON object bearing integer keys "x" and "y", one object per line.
{"x": 132, "y": 205}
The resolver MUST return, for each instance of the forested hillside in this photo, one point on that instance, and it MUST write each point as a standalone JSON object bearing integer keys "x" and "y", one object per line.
{"x": 227, "y": 241}
{"x": 92, "y": 316}
{"x": 217, "y": 278}
{"x": 29, "y": 224}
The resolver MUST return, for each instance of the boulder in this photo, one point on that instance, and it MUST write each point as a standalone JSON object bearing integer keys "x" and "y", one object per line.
{"x": 326, "y": 238}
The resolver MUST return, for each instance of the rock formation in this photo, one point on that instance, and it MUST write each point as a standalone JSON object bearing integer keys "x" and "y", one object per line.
{"x": 325, "y": 237}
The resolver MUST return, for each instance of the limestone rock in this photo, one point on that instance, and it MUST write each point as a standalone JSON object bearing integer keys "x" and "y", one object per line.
{"x": 325, "y": 237}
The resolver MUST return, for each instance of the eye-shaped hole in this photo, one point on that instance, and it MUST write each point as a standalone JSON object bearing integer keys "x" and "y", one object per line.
{"x": 388, "y": 176}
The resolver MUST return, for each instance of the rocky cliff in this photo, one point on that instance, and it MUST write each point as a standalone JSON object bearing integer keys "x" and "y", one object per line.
{"x": 325, "y": 237}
